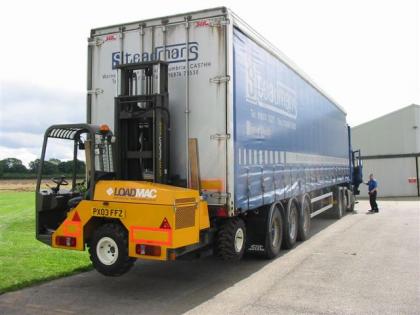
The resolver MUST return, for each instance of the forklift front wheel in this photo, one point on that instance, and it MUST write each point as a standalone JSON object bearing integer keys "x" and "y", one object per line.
{"x": 108, "y": 250}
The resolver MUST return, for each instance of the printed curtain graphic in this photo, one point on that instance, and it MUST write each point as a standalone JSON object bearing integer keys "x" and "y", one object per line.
{"x": 289, "y": 138}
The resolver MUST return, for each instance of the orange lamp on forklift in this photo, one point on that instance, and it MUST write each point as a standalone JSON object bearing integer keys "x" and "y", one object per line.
{"x": 104, "y": 128}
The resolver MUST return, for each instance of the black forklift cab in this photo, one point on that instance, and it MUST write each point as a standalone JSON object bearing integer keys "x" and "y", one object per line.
{"x": 53, "y": 203}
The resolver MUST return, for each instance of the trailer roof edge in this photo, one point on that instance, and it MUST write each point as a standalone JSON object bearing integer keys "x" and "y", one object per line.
{"x": 223, "y": 10}
{"x": 244, "y": 26}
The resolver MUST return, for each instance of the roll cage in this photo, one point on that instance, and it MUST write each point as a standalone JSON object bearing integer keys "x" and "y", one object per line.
{"x": 53, "y": 203}
{"x": 95, "y": 166}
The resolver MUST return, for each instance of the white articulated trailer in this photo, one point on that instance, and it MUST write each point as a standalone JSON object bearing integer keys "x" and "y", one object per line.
{"x": 266, "y": 132}
{"x": 201, "y": 101}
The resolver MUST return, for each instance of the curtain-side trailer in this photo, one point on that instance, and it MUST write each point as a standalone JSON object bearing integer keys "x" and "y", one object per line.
{"x": 273, "y": 148}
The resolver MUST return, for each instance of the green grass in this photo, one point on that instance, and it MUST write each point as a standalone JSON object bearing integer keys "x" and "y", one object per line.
{"x": 23, "y": 259}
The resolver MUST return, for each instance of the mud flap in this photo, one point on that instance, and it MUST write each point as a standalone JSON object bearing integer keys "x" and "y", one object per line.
{"x": 256, "y": 226}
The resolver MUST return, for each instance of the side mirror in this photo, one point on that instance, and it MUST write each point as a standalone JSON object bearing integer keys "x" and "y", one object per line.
{"x": 81, "y": 146}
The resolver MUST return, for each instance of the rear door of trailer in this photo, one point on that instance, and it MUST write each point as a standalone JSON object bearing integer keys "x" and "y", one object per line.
{"x": 203, "y": 41}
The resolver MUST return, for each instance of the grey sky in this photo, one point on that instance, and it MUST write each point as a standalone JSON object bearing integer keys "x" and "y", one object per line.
{"x": 365, "y": 54}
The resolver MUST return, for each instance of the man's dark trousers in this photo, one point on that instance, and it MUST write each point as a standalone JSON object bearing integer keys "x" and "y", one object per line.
{"x": 372, "y": 200}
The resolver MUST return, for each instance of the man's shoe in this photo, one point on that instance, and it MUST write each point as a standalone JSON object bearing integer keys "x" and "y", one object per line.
{"x": 376, "y": 211}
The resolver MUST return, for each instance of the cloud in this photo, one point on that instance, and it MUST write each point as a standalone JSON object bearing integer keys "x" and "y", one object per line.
{"x": 24, "y": 154}
{"x": 57, "y": 149}
{"x": 26, "y": 108}
{"x": 16, "y": 140}
{"x": 26, "y": 111}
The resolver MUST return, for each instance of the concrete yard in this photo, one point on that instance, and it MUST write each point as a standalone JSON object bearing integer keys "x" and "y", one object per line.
{"x": 357, "y": 265}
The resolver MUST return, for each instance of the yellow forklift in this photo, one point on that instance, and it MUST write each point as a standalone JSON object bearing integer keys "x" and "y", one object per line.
{"x": 126, "y": 208}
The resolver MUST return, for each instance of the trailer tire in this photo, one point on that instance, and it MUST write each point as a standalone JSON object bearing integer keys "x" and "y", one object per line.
{"x": 351, "y": 201}
{"x": 231, "y": 239}
{"x": 352, "y": 204}
{"x": 338, "y": 204}
{"x": 344, "y": 201}
{"x": 291, "y": 220}
{"x": 115, "y": 261}
{"x": 274, "y": 231}
{"x": 304, "y": 219}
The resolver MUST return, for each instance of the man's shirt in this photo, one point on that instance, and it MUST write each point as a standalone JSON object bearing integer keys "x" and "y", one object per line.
{"x": 372, "y": 184}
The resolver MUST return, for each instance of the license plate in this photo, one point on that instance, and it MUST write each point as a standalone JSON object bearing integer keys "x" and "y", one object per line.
{"x": 108, "y": 212}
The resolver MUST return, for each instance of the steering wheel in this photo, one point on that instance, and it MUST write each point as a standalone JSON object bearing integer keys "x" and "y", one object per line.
{"x": 60, "y": 181}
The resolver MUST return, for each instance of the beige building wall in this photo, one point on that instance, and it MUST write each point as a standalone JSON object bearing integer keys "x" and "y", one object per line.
{"x": 392, "y": 143}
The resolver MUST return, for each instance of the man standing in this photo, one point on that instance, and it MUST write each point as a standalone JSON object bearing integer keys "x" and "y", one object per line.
{"x": 373, "y": 191}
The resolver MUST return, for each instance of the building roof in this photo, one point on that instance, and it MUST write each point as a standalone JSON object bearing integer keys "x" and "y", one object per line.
{"x": 389, "y": 114}
{"x": 395, "y": 133}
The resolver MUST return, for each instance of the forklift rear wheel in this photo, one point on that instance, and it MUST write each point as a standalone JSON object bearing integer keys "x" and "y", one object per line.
{"x": 231, "y": 239}
{"x": 108, "y": 250}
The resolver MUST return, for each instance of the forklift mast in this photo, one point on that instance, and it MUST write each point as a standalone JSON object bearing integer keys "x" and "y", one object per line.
{"x": 142, "y": 122}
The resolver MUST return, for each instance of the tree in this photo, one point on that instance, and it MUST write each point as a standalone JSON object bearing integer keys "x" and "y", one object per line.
{"x": 66, "y": 167}
{"x": 49, "y": 168}
{"x": 13, "y": 165}
{"x": 62, "y": 168}
{"x": 33, "y": 166}
{"x": 54, "y": 161}
{"x": 80, "y": 167}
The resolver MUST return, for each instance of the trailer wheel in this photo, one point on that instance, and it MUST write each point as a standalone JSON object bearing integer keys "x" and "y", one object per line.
{"x": 344, "y": 201}
{"x": 304, "y": 219}
{"x": 290, "y": 224}
{"x": 338, "y": 210}
{"x": 231, "y": 239}
{"x": 352, "y": 202}
{"x": 274, "y": 232}
{"x": 108, "y": 250}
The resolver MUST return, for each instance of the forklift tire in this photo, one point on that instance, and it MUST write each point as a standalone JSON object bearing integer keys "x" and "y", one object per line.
{"x": 274, "y": 232}
{"x": 108, "y": 250}
{"x": 231, "y": 239}
{"x": 304, "y": 219}
{"x": 291, "y": 223}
